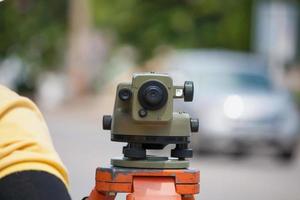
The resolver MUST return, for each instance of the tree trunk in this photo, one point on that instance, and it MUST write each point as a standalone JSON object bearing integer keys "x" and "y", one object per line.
{"x": 86, "y": 49}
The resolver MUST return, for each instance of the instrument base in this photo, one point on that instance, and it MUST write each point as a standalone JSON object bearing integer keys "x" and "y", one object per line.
{"x": 151, "y": 162}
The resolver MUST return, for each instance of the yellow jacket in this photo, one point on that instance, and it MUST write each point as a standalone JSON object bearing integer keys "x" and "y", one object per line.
{"x": 25, "y": 143}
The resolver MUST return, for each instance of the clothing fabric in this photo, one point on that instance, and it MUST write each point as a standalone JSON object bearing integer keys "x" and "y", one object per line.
{"x": 25, "y": 143}
{"x": 32, "y": 185}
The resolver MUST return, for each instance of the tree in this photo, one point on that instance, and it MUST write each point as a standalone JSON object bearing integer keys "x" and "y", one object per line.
{"x": 33, "y": 30}
{"x": 179, "y": 23}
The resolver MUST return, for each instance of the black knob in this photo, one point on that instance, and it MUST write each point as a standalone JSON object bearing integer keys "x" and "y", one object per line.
{"x": 194, "y": 125}
{"x": 182, "y": 151}
{"x": 134, "y": 151}
{"x": 188, "y": 91}
{"x": 106, "y": 122}
{"x": 125, "y": 94}
{"x": 143, "y": 113}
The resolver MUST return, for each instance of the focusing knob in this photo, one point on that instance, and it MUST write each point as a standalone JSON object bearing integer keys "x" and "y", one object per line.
{"x": 188, "y": 91}
{"x": 194, "y": 125}
{"x": 106, "y": 122}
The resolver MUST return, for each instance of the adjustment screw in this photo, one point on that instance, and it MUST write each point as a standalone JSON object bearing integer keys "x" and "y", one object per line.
{"x": 106, "y": 122}
{"x": 143, "y": 113}
{"x": 194, "y": 125}
{"x": 112, "y": 194}
{"x": 188, "y": 91}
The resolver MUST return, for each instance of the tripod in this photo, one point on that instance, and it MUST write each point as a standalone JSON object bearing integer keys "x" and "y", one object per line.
{"x": 145, "y": 184}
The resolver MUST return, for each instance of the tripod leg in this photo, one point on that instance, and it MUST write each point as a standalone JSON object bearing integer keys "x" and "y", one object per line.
{"x": 95, "y": 195}
{"x": 150, "y": 188}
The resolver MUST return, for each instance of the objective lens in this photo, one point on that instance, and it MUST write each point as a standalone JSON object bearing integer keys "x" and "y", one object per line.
{"x": 153, "y": 95}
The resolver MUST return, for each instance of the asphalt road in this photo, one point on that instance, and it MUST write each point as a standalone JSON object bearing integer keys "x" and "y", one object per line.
{"x": 83, "y": 147}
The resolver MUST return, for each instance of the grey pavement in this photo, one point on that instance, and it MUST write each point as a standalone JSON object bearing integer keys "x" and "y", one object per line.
{"x": 83, "y": 147}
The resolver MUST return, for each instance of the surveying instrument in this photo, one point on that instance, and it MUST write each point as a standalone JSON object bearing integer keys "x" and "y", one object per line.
{"x": 144, "y": 119}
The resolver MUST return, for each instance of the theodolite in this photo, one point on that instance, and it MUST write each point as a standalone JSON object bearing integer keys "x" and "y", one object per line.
{"x": 144, "y": 118}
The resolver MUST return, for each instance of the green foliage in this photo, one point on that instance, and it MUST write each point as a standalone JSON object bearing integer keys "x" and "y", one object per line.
{"x": 34, "y": 30}
{"x": 147, "y": 24}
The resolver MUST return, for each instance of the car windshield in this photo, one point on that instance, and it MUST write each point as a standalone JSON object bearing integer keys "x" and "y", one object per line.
{"x": 234, "y": 81}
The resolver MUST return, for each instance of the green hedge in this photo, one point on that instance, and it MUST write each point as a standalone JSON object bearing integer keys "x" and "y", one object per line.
{"x": 181, "y": 23}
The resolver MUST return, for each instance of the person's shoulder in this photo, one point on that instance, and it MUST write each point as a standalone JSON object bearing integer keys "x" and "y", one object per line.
{"x": 9, "y": 98}
{"x": 7, "y": 94}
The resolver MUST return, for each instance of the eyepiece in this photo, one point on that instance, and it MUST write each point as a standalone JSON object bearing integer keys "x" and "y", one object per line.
{"x": 153, "y": 95}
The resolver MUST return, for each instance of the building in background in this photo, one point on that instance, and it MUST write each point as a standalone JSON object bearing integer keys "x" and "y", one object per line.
{"x": 275, "y": 34}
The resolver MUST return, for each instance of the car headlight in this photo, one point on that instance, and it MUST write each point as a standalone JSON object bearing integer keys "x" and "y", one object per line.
{"x": 233, "y": 107}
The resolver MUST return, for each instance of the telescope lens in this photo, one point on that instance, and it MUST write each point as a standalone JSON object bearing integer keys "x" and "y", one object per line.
{"x": 153, "y": 95}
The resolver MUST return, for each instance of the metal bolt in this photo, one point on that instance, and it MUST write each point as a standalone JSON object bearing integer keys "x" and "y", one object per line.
{"x": 111, "y": 194}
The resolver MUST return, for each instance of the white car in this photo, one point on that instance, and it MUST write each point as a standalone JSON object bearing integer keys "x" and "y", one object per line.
{"x": 237, "y": 103}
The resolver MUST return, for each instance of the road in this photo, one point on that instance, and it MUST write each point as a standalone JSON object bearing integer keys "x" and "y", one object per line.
{"x": 83, "y": 146}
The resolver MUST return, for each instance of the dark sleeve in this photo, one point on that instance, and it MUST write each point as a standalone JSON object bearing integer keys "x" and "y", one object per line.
{"x": 32, "y": 185}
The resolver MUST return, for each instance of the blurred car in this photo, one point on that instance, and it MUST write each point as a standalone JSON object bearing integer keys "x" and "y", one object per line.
{"x": 16, "y": 75}
{"x": 238, "y": 104}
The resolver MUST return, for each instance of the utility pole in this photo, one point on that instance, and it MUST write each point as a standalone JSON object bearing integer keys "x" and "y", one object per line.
{"x": 85, "y": 49}
{"x": 275, "y": 36}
